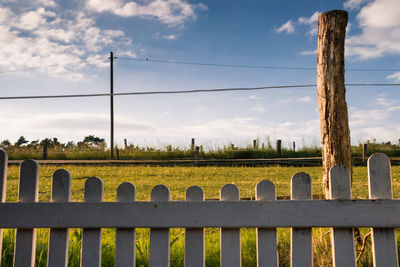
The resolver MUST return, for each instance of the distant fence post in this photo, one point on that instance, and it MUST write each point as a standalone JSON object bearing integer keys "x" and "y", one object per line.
{"x": 294, "y": 146}
{"x": 117, "y": 151}
{"x": 196, "y": 156}
{"x": 125, "y": 143}
{"x": 279, "y": 148}
{"x": 193, "y": 144}
{"x": 399, "y": 142}
{"x": 255, "y": 146}
{"x": 364, "y": 153}
{"x": 45, "y": 151}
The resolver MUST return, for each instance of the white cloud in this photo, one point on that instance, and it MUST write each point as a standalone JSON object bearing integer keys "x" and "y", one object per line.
{"x": 258, "y": 108}
{"x": 40, "y": 37}
{"x": 380, "y": 25}
{"x": 171, "y": 12}
{"x": 308, "y": 52}
{"x": 354, "y": 4}
{"x": 394, "y": 76}
{"x": 311, "y": 22}
{"x": 170, "y": 36}
{"x": 286, "y": 27}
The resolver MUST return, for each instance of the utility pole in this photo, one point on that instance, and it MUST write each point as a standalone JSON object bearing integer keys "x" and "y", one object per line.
{"x": 111, "y": 105}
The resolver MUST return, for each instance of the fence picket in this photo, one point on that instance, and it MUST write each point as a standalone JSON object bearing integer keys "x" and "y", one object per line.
{"x": 194, "y": 237}
{"x": 301, "y": 238}
{"x": 230, "y": 237}
{"x": 266, "y": 237}
{"x": 342, "y": 239}
{"x": 3, "y": 185}
{"x": 91, "y": 238}
{"x": 125, "y": 239}
{"x": 380, "y": 187}
{"x": 159, "y": 238}
{"x": 25, "y": 239}
{"x": 58, "y": 241}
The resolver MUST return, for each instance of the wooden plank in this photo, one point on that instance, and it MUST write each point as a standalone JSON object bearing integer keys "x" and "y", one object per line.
{"x": 159, "y": 238}
{"x": 58, "y": 241}
{"x": 91, "y": 238}
{"x": 125, "y": 238}
{"x": 230, "y": 237}
{"x": 342, "y": 239}
{"x": 25, "y": 239}
{"x": 384, "y": 246}
{"x": 301, "y": 238}
{"x": 194, "y": 237}
{"x": 267, "y": 253}
{"x": 229, "y": 214}
{"x": 3, "y": 186}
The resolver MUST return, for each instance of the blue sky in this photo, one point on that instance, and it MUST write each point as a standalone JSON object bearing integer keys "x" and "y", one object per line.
{"x": 39, "y": 33}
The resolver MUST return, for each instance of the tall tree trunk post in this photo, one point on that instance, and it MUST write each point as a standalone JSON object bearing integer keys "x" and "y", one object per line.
{"x": 332, "y": 106}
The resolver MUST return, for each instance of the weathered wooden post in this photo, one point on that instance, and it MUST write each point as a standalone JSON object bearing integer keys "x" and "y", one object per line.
{"x": 279, "y": 148}
{"x": 125, "y": 143}
{"x": 45, "y": 151}
{"x": 294, "y": 146}
{"x": 196, "y": 156}
{"x": 334, "y": 123}
{"x": 117, "y": 150}
{"x": 364, "y": 153}
{"x": 255, "y": 146}
{"x": 193, "y": 146}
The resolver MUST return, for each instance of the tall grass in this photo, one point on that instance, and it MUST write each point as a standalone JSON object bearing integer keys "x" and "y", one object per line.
{"x": 170, "y": 152}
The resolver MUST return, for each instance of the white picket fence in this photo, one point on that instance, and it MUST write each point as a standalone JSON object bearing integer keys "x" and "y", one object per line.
{"x": 230, "y": 214}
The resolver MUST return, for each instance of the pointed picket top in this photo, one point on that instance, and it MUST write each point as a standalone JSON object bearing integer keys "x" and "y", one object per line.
{"x": 160, "y": 193}
{"x": 194, "y": 193}
{"x": 340, "y": 183}
{"x": 61, "y": 186}
{"x": 265, "y": 190}
{"x": 301, "y": 186}
{"x": 126, "y": 192}
{"x": 93, "y": 190}
{"x": 379, "y": 177}
{"x": 229, "y": 192}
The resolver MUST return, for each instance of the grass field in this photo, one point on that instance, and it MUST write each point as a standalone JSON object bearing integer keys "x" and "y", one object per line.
{"x": 211, "y": 179}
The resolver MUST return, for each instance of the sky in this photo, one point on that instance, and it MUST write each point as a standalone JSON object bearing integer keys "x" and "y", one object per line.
{"x": 49, "y": 35}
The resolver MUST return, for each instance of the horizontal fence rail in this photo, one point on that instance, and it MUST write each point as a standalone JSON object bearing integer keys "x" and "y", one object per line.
{"x": 244, "y": 213}
{"x": 230, "y": 214}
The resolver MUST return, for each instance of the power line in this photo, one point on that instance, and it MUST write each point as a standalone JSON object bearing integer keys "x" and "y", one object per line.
{"x": 198, "y": 64}
{"x": 189, "y": 91}
{"x": 48, "y": 66}
{"x": 242, "y": 66}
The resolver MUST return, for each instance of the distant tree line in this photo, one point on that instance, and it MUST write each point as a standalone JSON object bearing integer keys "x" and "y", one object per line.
{"x": 89, "y": 142}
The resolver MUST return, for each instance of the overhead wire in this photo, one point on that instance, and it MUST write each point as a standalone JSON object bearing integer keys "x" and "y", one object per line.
{"x": 243, "y": 66}
{"x": 190, "y": 91}
{"x": 199, "y": 64}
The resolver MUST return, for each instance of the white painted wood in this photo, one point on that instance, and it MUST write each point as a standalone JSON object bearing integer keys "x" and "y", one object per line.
{"x": 342, "y": 239}
{"x": 91, "y": 238}
{"x": 230, "y": 238}
{"x": 3, "y": 185}
{"x": 194, "y": 237}
{"x": 267, "y": 253}
{"x": 58, "y": 241}
{"x": 159, "y": 237}
{"x": 301, "y": 238}
{"x": 384, "y": 246}
{"x": 125, "y": 238}
{"x": 25, "y": 239}
{"x": 228, "y": 214}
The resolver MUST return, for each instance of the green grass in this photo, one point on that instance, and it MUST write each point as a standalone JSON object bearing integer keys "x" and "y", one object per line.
{"x": 211, "y": 179}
